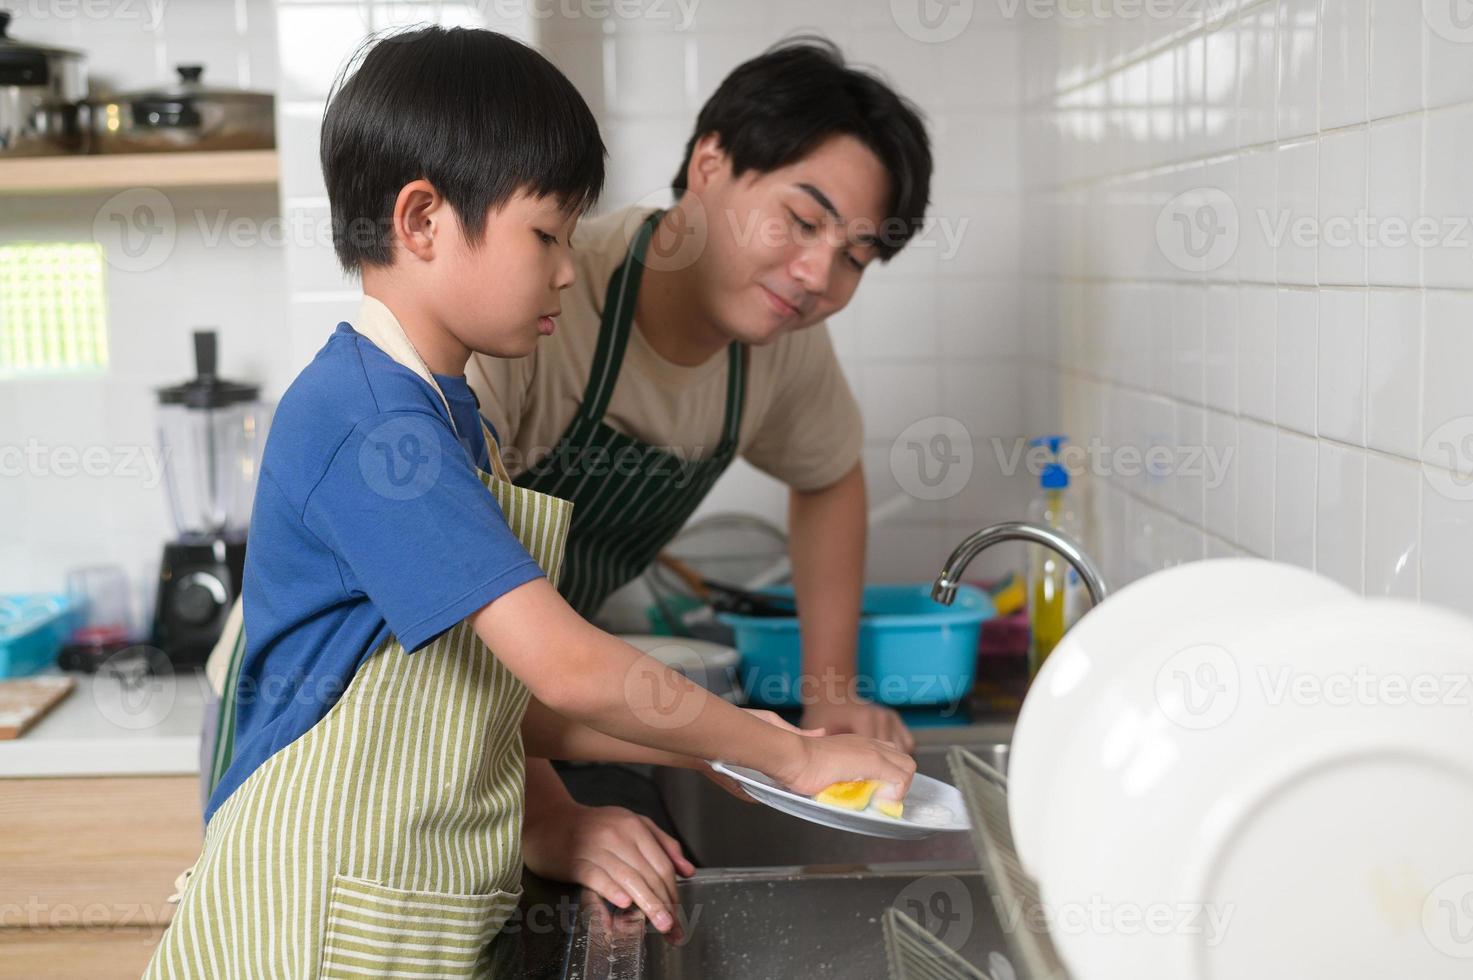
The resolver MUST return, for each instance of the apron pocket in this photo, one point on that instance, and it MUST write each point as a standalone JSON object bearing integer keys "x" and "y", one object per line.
{"x": 377, "y": 931}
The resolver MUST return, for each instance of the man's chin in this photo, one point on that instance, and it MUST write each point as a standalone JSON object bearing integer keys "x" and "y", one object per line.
{"x": 762, "y": 334}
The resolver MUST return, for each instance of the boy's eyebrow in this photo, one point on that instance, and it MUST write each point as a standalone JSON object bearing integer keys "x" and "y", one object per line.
{"x": 867, "y": 241}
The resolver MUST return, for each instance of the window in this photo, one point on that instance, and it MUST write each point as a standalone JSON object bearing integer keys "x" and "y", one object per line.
{"x": 53, "y": 314}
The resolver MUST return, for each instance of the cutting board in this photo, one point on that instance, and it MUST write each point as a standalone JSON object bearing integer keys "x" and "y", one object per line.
{"x": 24, "y": 702}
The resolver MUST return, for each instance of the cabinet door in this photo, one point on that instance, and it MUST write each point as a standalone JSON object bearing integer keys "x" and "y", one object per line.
{"x": 84, "y": 854}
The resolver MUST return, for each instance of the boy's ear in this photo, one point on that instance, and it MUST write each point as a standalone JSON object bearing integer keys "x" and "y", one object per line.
{"x": 419, "y": 215}
{"x": 708, "y": 162}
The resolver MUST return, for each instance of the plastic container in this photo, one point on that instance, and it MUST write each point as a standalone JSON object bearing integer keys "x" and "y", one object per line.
{"x": 912, "y": 649}
{"x": 32, "y": 630}
{"x": 1056, "y": 597}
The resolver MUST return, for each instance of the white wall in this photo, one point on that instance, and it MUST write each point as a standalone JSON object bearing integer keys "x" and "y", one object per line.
{"x": 1335, "y": 371}
{"x": 49, "y": 523}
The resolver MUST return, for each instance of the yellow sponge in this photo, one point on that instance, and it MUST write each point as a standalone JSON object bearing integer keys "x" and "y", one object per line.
{"x": 857, "y": 794}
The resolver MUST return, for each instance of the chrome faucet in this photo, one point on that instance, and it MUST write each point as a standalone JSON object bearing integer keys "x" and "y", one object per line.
{"x": 944, "y": 591}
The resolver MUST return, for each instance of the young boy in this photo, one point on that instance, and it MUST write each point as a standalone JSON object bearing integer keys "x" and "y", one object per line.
{"x": 369, "y": 823}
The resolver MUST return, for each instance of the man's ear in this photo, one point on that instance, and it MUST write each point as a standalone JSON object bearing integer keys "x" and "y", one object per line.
{"x": 419, "y": 215}
{"x": 708, "y": 163}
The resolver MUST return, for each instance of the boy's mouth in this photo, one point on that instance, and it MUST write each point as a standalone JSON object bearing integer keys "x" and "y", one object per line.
{"x": 546, "y": 324}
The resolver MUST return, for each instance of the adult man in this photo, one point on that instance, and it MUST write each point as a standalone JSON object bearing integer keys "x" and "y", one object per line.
{"x": 697, "y": 334}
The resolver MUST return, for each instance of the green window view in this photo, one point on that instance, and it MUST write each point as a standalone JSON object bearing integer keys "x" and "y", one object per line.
{"x": 53, "y": 316}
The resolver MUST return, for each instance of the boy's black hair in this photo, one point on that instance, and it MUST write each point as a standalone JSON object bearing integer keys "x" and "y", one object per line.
{"x": 778, "y": 107}
{"x": 478, "y": 114}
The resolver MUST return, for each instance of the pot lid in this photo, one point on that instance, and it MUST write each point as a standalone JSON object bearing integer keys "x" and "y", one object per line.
{"x": 207, "y": 390}
{"x": 10, "y": 48}
{"x": 191, "y": 86}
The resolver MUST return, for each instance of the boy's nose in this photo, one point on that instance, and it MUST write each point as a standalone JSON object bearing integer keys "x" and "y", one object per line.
{"x": 565, "y": 276}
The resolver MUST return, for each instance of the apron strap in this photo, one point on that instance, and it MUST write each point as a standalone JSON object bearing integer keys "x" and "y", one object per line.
{"x": 498, "y": 468}
{"x": 618, "y": 316}
{"x": 613, "y": 341}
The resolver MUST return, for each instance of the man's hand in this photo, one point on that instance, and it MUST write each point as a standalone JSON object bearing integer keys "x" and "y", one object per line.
{"x": 619, "y": 854}
{"x": 859, "y": 718}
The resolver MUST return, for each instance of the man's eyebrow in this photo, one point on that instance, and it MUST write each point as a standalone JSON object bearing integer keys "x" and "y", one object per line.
{"x": 823, "y": 201}
{"x": 827, "y": 205}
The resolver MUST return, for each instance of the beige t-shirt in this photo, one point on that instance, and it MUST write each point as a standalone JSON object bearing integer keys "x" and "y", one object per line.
{"x": 800, "y": 422}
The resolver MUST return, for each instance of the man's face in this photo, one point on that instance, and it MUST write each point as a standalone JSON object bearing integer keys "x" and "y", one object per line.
{"x": 786, "y": 249}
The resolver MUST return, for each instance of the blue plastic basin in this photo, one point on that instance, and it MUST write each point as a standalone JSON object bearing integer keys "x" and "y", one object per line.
{"x": 32, "y": 630}
{"x": 912, "y": 649}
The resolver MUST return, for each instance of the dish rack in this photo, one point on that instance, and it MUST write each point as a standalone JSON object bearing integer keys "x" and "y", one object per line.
{"x": 915, "y": 954}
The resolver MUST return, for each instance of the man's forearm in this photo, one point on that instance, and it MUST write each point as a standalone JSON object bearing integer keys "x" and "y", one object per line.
{"x": 826, "y": 541}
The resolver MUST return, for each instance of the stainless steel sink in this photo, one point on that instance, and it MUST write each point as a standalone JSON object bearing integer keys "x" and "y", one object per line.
{"x": 725, "y": 832}
{"x": 785, "y": 923}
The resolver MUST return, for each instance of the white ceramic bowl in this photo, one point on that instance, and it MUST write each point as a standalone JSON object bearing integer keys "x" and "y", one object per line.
{"x": 1171, "y": 609}
{"x": 1291, "y": 801}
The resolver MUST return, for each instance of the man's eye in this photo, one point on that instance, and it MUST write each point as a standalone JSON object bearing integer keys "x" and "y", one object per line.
{"x": 801, "y": 223}
{"x": 858, "y": 265}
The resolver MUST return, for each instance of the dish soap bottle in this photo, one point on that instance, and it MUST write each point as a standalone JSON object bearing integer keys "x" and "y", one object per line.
{"x": 1054, "y": 588}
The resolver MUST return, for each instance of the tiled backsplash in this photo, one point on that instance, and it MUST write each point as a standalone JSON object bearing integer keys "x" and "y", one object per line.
{"x": 1247, "y": 230}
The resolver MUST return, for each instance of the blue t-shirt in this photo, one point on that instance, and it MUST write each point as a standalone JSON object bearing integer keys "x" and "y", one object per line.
{"x": 370, "y": 521}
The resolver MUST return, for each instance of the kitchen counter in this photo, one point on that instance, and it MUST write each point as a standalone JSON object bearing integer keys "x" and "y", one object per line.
{"x": 112, "y": 725}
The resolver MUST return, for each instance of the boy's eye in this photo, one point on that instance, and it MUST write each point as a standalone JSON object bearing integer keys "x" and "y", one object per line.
{"x": 545, "y": 238}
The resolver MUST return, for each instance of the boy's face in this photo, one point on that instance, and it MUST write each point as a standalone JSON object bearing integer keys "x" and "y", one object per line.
{"x": 499, "y": 297}
{"x": 786, "y": 249}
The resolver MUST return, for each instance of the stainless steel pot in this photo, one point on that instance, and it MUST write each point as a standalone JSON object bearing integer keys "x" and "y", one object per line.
{"x": 39, "y": 91}
{"x": 186, "y": 116}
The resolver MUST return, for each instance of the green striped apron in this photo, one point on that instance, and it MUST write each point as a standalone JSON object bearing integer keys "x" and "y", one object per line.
{"x": 631, "y": 498}
{"x": 386, "y": 841}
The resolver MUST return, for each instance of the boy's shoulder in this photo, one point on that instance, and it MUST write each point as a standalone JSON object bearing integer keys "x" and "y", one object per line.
{"x": 348, "y": 382}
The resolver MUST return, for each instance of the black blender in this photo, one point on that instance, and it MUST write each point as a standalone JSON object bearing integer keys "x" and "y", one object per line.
{"x": 211, "y": 433}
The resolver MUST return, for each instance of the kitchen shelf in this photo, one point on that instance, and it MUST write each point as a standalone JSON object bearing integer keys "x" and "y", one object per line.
{"x": 82, "y": 173}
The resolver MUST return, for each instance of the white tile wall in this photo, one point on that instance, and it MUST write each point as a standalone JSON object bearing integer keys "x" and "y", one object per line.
{"x": 207, "y": 279}
{"x": 1339, "y": 329}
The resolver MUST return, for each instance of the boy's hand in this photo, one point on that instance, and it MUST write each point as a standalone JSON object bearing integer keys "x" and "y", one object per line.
{"x": 772, "y": 718}
{"x": 619, "y": 854}
{"x": 822, "y": 762}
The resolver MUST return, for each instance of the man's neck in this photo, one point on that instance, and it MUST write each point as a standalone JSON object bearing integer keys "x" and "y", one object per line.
{"x": 436, "y": 346}
{"x": 668, "y": 312}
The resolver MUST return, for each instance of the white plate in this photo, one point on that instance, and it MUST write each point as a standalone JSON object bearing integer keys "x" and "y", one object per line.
{"x": 945, "y": 810}
{"x": 1197, "y": 603}
{"x": 1275, "y": 794}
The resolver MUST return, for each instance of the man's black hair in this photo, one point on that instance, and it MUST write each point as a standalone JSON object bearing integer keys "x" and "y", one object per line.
{"x": 479, "y": 115}
{"x": 778, "y": 107}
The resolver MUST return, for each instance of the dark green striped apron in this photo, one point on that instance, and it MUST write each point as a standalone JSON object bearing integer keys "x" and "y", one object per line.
{"x": 630, "y": 498}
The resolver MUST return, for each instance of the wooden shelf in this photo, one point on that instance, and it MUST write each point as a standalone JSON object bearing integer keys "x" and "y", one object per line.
{"x": 79, "y": 174}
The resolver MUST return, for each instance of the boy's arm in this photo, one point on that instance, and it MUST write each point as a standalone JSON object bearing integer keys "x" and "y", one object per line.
{"x": 583, "y": 673}
{"x": 548, "y": 735}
